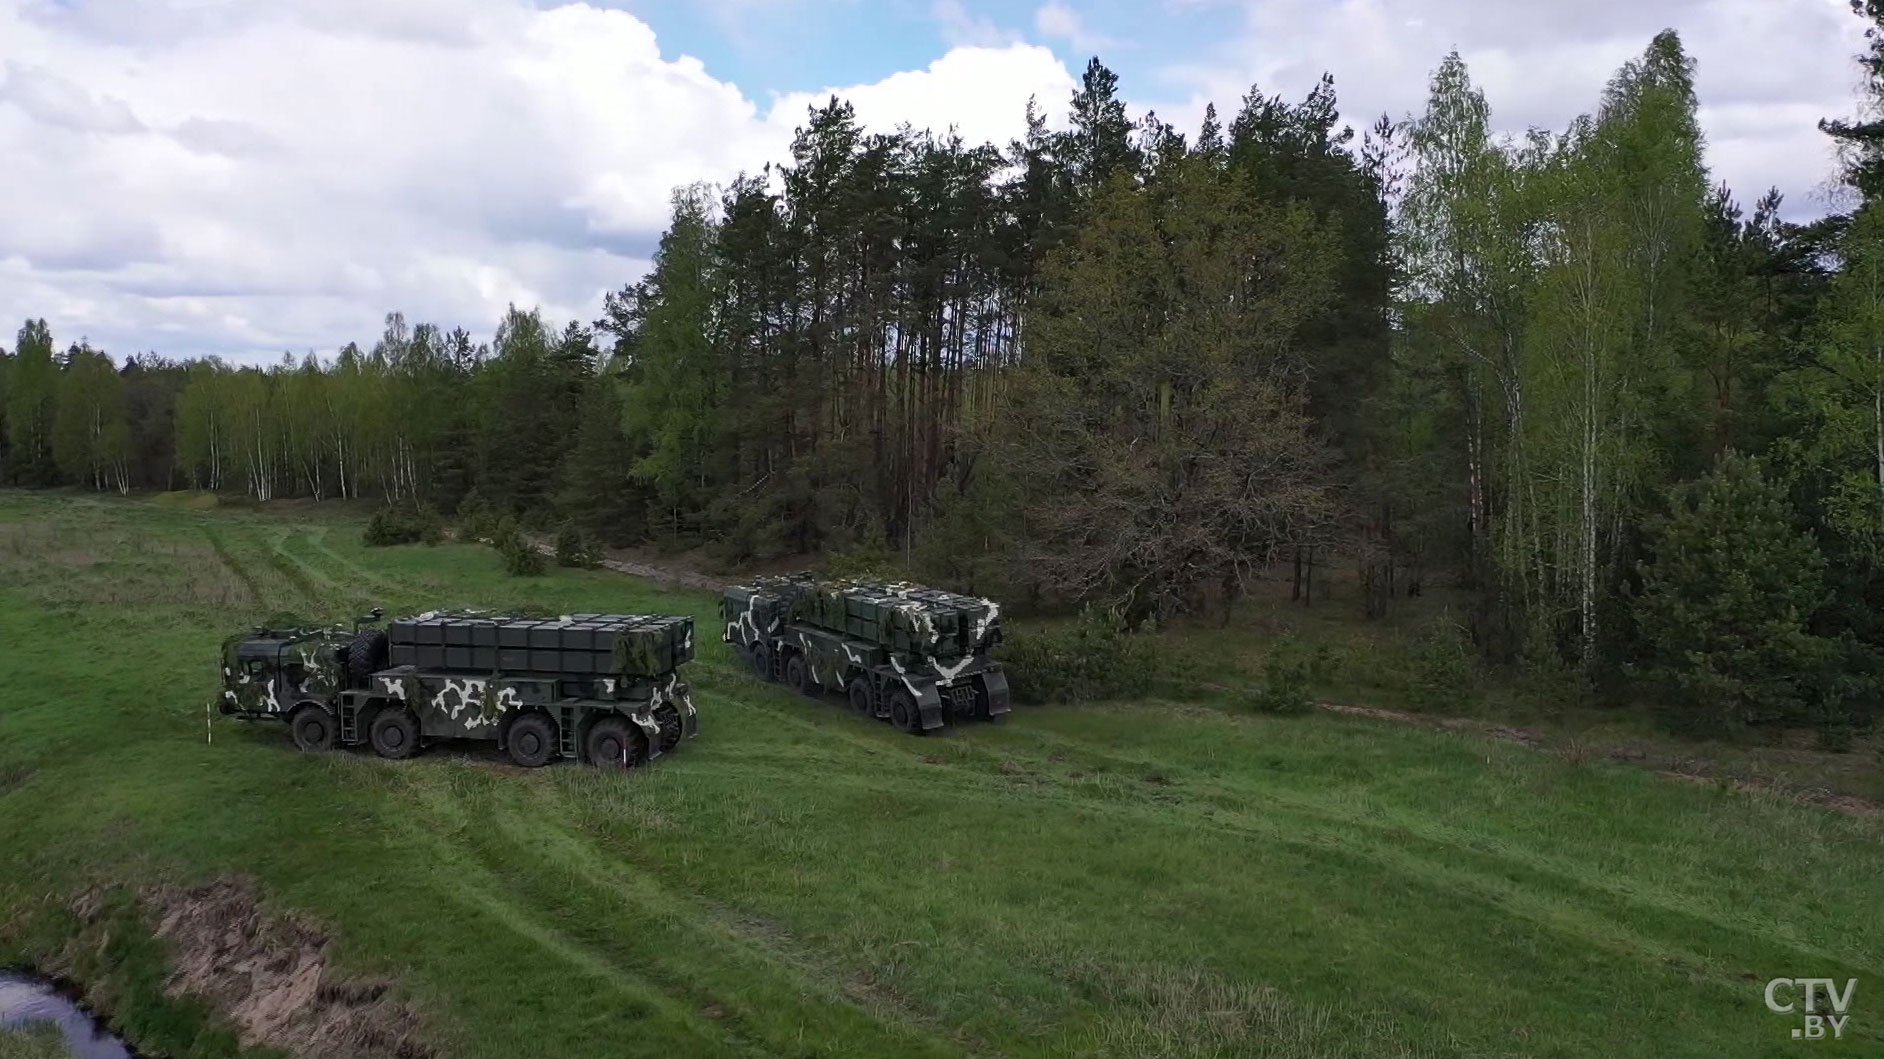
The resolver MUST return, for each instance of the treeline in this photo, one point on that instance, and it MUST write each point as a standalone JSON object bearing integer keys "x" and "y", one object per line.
{"x": 1642, "y": 426}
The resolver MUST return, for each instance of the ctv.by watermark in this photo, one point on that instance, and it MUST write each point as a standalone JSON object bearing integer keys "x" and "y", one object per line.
{"x": 1818, "y": 1001}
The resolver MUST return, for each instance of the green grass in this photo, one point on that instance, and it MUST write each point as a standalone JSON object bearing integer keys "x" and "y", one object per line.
{"x": 36, "y": 1040}
{"x": 1144, "y": 879}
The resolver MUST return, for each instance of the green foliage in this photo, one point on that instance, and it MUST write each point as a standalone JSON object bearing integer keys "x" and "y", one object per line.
{"x": 403, "y": 525}
{"x": 1093, "y": 659}
{"x": 870, "y": 559}
{"x": 1442, "y": 674}
{"x": 34, "y": 1040}
{"x": 519, "y": 556}
{"x": 1161, "y": 444}
{"x": 476, "y": 520}
{"x": 575, "y": 548}
{"x": 600, "y": 492}
{"x": 32, "y": 402}
{"x": 1291, "y": 671}
{"x": 1861, "y": 141}
{"x": 524, "y": 393}
{"x": 677, "y": 385}
{"x": 1727, "y": 602}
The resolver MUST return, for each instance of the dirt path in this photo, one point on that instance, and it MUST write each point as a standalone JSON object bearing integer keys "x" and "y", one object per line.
{"x": 664, "y": 575}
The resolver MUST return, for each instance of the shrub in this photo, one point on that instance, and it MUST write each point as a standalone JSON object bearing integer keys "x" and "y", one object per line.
{"x": 1093, "y": 659}
{"x": 476, "y": 520}
{"x": 871, "y": 560}
{"x": 520, "y": 557}
{"x": 574, "y": 548}
{"x": 1440, "y": 671}
{"x": 1290, "y": 674}
{"x": 1727, "y": 603}
{"x": 394, "y": 525}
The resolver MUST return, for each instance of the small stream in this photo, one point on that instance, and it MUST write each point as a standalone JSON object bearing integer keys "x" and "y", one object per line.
{"x": 25, "y": 999}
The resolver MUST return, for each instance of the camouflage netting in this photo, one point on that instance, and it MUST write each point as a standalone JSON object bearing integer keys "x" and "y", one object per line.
{"x": 902, "y": 617}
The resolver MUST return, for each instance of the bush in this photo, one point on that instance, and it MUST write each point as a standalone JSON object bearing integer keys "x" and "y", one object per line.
{"x": 391, "y": 526}
{"x": 1441, "y": 673}
{"x": 871, "y": 560}
{"x": 1290, "y": 673}
{"x": 520, "y": 557}
{"x": 1092, "y": 660}
{"x": 476, "y": 520}
{"x": 1727, "y": 604}
{"x": 575, "y": 548}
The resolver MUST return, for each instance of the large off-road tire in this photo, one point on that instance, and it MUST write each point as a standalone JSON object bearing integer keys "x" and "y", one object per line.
{"x": 613, "y": 743}
{"x": 903, "y": 712}
{"x": 312, "y": 729}
{"x": 394, "y": 733}
{"x": 798, "y": 675}
{"x": 667, "y": 715}
{"x": 863, "y": 699}
{"x": 760, "y": 656}
{"x": 531, "y": 741}
{"x": 366, "y": 655}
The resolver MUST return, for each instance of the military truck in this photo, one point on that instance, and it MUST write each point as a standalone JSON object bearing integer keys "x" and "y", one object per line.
{"x": 604, "y": 688}
{"x": 915, "y": 657}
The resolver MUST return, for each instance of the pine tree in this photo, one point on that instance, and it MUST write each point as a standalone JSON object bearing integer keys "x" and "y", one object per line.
{"x": 1860, "y": 140}
{"x": 1156, "y": 428}
{"x": 1727, "y": 602}
{"x": 1099, "y": 146}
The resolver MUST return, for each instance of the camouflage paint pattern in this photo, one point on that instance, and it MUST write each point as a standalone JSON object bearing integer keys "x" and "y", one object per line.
{"x": 271, "y": 672}
{"x": 934, "y": 645}
{"x": 275, "y": 670}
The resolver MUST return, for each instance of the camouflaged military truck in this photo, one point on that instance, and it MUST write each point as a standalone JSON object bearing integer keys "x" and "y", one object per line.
{"x": 601, "y": 687}
{"x": 913, "y": 656}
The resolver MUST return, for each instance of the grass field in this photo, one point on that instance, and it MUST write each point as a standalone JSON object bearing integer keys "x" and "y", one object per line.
{"x": 37, "y": 1041}
{"x": 1141, "y": 879}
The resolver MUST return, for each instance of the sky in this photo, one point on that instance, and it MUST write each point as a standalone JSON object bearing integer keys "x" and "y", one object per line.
{"x": 248, "y": 178}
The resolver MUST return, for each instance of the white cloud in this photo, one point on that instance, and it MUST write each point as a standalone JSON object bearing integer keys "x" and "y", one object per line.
{"x": 1060, "y": 22}
{"x": 964, "y": 29}
{"x": 244, "y": 178}
{"x": 1768, "y": 68}
{"x": 981, "y": 92}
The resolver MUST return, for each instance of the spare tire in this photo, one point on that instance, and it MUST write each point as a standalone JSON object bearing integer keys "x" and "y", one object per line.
{"x": 366, "y": 655}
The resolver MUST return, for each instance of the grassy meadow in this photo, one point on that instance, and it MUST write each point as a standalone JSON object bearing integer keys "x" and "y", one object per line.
{"x": 1145, "y": 879}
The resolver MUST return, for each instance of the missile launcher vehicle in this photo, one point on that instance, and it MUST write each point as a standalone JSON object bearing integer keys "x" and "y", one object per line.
{"x": 604, "y": 688}
{"x": 915, "y": 657}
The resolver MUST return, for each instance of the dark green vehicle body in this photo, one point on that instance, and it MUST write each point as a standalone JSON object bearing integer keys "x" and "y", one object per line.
{"x": 593, "y": 686}
{"x": 916, "y": 657}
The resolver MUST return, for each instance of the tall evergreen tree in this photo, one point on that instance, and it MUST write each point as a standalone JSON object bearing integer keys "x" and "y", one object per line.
{"x": 1860, "y": 140}
{"x": 1156, "y": 428}
{"x": 1098, "y": 146}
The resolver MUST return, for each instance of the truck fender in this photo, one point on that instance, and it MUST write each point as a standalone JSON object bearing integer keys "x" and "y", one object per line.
{"x": 929, "y": 705}
{"x": 643, "y": 718}
{"x": 994, "y": 683}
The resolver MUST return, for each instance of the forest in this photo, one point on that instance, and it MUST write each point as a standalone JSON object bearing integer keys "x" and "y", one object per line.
{"x": 1637, "y": 420}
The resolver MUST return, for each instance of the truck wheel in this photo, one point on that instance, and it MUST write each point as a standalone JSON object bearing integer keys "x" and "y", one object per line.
{"x": 394, "y": 733}
{"x": 531, "y": 741}
{"x": 613, "y": 743}
{"x": 761, "y": 658}
{"x": 862, "y": 702}
{"x": 903, "y": 712}
{"x": 667, "y": 715}
{"x": 312, "y": 729}
{"x": 798, "y": 676}
{"x": 366, "y": 655}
